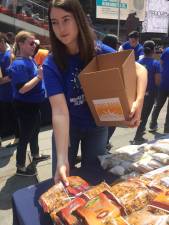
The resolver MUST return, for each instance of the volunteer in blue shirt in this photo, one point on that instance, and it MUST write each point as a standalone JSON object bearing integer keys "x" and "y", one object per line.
{"x": 153, "y": 68}
{"x": 8, "y": 116}
{"x": 73, "y": 46}
{"x": 163, "y": 94}
{"x": 133, "y": 43}
{"x": 28, "y": 93}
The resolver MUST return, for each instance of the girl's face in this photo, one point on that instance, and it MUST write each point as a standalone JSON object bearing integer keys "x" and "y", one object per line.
{"x": 65, "y": 28}
{"x": 27, "y": 48}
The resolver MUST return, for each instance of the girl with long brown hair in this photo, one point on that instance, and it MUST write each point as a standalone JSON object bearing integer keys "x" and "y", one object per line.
{"x": 73, "y": 46}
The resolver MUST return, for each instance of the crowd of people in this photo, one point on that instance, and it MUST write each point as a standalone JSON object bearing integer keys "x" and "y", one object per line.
{"x": 29, "y": 72}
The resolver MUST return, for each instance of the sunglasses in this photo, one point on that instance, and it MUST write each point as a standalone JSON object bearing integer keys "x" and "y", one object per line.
{"x": 32, "y": 43}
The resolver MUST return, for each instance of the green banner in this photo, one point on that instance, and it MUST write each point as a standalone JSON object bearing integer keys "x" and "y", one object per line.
{"x": 111, "y": 3}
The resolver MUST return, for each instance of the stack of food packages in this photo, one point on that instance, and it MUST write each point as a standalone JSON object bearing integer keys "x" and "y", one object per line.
{"x": 141, "y": 200}
{"x": 137, "y": 159}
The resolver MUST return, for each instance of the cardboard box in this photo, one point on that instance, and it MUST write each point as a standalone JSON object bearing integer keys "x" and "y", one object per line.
{"x": 109, "y": 85}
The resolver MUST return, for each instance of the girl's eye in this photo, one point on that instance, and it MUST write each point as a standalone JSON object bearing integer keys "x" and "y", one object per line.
{"x": 66, "y": 20}
{"x": 54, "y": 23}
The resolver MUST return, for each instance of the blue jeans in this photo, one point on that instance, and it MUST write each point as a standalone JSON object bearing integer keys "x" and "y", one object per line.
{"x": 93, "y": 143}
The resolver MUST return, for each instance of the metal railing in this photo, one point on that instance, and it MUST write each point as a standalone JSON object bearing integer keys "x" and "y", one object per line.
{"x": 28, "y": 11}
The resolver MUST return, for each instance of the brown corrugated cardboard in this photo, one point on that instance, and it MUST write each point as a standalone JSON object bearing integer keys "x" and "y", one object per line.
{"x": 109, "y": 85}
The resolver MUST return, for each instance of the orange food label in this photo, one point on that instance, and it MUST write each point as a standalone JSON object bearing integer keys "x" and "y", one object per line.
{"x": 109, "y": 109}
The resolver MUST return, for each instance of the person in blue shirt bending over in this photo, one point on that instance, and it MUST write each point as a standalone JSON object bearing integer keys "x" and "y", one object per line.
{"x": 163, "y": 94}
{"x": 133, "y": 43}
{"x": 153, "y": 68}
{"x": 73, "y": 46}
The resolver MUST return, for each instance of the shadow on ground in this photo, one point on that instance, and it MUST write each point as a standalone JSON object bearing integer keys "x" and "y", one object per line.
{"x": 5, "y": 155}
{"x": 11, "y": 185}
{"x": 158, "y": 135}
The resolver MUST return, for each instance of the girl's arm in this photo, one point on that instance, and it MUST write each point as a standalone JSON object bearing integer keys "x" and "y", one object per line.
{"x": 60, "y": 122}
{"x": 135, "y": 114}
{"x": 4, "y": 80}
{"x": 32, "y": 83}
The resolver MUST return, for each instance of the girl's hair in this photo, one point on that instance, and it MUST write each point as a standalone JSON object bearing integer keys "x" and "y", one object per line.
{"x": 21, "y": 37}
{"x": 149, "y": 47}
{"x": 85, "y": 36}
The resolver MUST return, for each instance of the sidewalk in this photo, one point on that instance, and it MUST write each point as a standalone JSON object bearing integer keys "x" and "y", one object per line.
{"x": 9, "y": 182}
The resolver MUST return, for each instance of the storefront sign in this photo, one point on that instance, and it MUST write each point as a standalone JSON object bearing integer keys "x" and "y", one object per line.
{"x": 157, "y": 16}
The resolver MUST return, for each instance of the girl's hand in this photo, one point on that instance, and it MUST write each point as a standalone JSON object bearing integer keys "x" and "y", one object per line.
{"x": 62, "y": 171}
{"x": 135, "y": 113}
{"x": 40, "y": 72}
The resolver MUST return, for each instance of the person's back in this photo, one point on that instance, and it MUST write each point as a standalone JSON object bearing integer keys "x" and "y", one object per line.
{"x": 165, "y": 70}
{"x": 163, "y": 94}
{"x": 133, "y": 43}
{"x": 152, "y": 65}
{"x": 153, "y": 68}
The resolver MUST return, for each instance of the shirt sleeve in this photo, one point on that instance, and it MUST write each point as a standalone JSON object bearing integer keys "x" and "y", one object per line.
{"x": 53, "y": 81}
{"x": 165, "y": 55}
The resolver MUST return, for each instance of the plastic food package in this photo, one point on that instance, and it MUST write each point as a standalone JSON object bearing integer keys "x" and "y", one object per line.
{"x": 165, "y": 181}
{"x": 161, "y": 201}
{"x": 55, "y": 198}
{"x": 94, "y": 191}
{"x": 66, "y": 214}
{"x": 132, "y": 194}
{"x": 56, "y": 219}
{"x": 161, "y": 146}
{"x": 157, "y": 179}
{"x": 109, "y": 160}
{"x": 130, "y": 152}
{"x": 144, "y": 164}
{"x": 99, "y": 210}
{"x": 117, "y": 170}
{"x": 161, "y": 157}
{"x": 155, "y": 164}
{"x": 77, "y": 185}
{"x": 58, "y": 195}
{"x": 146, "y": 217}
{"x": 161, "y": 172}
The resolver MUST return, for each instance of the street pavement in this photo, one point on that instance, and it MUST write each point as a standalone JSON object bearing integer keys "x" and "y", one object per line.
{"x": 9, "y": 182}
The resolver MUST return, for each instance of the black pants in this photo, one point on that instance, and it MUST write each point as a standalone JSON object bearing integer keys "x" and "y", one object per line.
{"x": 149, "y": 100}
{"x": 110, "y": 133}
{"x": 161, "y": 99}
{"x": 8, "y": 119}
{"x": 29, "y": 127}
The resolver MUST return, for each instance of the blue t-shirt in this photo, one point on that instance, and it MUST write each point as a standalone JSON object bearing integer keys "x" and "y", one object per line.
{"x": 138, "y": 50}
{"x": 164, "y": 84}
{"x": 21, "y": 71}
{"x": 5, "y": 89}
{"x": 67, "y": 82}
{"x": 153, "y": 67}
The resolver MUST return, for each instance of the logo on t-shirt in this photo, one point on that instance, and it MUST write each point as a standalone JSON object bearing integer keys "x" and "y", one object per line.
{"x": 75, "y": 81}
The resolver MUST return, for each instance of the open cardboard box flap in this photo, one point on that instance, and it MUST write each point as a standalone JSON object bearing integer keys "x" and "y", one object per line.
{"x": 109, "y": 85}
